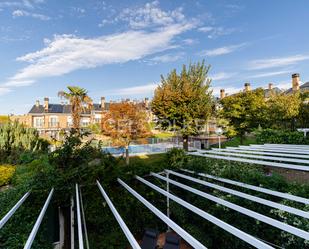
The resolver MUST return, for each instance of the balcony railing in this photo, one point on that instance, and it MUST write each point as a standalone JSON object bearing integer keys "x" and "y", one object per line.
{"x": 53, "y": 125}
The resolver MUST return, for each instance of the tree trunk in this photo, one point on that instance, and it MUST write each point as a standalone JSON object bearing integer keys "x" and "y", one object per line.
{"x": 185, "y": 142}
{"x": 241, "y": 138}
{"x": 127, "y": 156}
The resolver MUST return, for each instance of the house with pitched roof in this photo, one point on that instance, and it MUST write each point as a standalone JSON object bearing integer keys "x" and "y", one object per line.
{"x": 49, "y": 119}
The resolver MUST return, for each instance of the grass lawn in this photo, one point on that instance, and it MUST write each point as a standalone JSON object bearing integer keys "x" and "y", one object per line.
{"x": 163, "y": 135}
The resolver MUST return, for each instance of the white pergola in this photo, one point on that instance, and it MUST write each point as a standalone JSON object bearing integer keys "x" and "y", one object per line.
{"x": 286, "y": 156}
{"x": 185, "y": 180}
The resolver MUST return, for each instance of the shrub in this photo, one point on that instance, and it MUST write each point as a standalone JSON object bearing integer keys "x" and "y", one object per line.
{"x": 281, "y": 137}
{"x": 6, "y": 174}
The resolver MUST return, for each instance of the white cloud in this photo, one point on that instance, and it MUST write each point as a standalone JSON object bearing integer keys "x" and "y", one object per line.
{"x": 166, "y": 58}
{"x": 136, "y": 90}
{"x": 214, "y": 32}
{"x": 277, "y": 62}
{"x": 67, "y": 53}
{"x": 222, "y": 50}
{"x": 206, "y": 29}
{"x": 23, "y": 13}
{"x": 149, "y": 15}
{"x": 4, "y": 90}
{"x": 222, "y": 76}
{"x": 190, "y": 41}
{"x": 268, "y": 74}
{"x": 30, "y": 4}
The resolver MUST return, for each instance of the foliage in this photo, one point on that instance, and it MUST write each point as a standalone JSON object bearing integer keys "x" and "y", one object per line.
{"x": 6, "y": 174}
{"x": 95, "y": 128}
{"x": 245, "y": 111}
{"x": 80, "y": 163}
{"x": 236, "y": 141}
{"x": 15, "y": 139}
{"x": 284, "y": 109}
{"x": 4, "y": 119}
{"x": 78, "y": 98}
{"x": 124, "y": 123}
{"x": 183, "y": 102}
{"x": 281, "y": 137}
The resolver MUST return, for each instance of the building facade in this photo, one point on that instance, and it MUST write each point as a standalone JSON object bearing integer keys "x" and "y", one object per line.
{"x": 49, "y": 119}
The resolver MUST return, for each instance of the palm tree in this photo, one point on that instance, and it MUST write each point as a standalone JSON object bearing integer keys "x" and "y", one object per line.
{"x": 79, "y": 101}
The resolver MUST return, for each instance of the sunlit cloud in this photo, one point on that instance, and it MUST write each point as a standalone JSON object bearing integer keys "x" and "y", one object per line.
{"x": 277, "y": 62}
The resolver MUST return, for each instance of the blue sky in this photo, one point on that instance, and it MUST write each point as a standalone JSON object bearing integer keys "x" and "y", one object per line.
{"x": 119, "y": 49}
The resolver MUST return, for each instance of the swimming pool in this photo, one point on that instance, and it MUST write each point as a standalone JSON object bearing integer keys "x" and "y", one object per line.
{"x": 140, "y": 149}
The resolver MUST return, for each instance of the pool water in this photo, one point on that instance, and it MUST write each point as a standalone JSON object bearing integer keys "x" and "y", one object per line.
{"x": 140, "y": 149}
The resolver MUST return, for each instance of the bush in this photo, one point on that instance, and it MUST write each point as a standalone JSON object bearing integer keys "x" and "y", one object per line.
{"x": 281, "y": 137}
{"x": 6, "y": 174}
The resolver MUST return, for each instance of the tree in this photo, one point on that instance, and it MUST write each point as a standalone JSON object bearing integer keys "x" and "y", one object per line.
{"x": 125, "y": 122}
{"x": 284, "y": 109}
{"x": 183, "y": 102}
{"x": 79, "y": 101}
{"x": 245, "y": 111}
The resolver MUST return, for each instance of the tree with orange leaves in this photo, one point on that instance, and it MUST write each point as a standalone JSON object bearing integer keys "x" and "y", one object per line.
{"x": 124, "y": 123}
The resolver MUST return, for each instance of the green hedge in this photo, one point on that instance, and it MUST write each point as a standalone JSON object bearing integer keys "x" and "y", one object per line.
{"x": 78, "y": 166}
{"x": 6, "y": 174}
{"x": 281, "y": 137}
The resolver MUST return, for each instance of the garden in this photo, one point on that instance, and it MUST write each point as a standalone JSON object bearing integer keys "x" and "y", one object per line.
{"x": 76, "y": 162}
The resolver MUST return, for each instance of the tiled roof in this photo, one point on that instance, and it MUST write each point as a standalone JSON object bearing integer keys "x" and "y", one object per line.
{"x": 64, "y": 109}
{"x": 303, "y": 87}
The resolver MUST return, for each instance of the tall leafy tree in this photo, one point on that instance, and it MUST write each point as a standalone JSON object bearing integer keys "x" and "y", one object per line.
{"x": 245, "y": 111}
{"x": 124, "y": 123}
{"x": 183, "y": 101}
{"x": 79, "y": 101}
{"x": 284, "y": 110}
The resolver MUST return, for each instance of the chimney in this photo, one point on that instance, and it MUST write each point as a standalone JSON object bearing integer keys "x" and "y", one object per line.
{"x": 103, "y": 103}
{"x": 295, "y": 81}
{"x": 270, "y": 86}
{"x": 247, "y": 87}
{"x": 46, "y": 104}
{"x": 146, "y": 102}
{"x": 37, "y": 103}
{"x": 222, "y": 93}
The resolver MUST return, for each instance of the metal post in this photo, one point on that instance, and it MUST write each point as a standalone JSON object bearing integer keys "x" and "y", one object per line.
{"x": 168, "y": 199}
{"x": 219, "y": 142}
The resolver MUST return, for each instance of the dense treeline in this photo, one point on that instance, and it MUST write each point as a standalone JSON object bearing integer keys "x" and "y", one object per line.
{"x": 250, "y": 110}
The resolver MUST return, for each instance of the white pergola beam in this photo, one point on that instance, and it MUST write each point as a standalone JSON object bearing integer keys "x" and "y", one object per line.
{"x": 258, "y": 162}
{"x": 38, "y": 221}
{"x": 252, "y": 187}
{"x": 270, "y": 158}
{"x": 13, "y": 210}
{"x": 241, "y": 147}
{"x": 254, "y": 152}
{"x": 180, "y": 231}
{"x": 233, "y": 230}
{"x": 120, "y": 221}
{"x": 275, "y": 223}
{"x": 244, "y": 195}
{"x": 79, "y": 220}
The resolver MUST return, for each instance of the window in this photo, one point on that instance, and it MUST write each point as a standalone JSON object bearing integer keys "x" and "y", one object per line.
{"x": 53, "y": 121}
{"x": 38, "y": 122}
